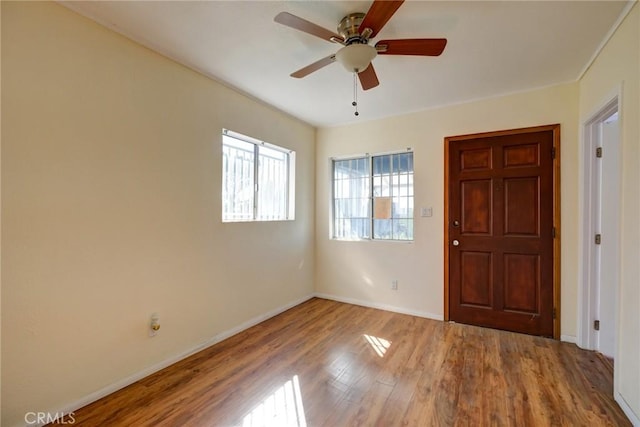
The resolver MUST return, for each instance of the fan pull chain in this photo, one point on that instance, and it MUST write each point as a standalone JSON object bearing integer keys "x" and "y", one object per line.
{"x": 355, "y": 94}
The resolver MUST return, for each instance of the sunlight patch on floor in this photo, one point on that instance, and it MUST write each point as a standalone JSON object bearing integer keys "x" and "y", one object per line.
{"x": 282, "y": 408}
{"x": 379, "y": 345}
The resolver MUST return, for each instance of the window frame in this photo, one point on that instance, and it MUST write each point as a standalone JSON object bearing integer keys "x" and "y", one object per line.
{"x": 370, "y": 204}
{"x": 289, "y": 187}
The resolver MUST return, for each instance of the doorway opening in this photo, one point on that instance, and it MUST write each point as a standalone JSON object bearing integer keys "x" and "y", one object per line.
{"x": 502, "y": 230}
{"x": 600, "y": 232}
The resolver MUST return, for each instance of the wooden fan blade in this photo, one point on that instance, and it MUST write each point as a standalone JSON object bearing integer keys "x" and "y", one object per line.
{"x": 422, "y": 47}
{"x": 368, "y": 78}
{"x": 293, "y": 21}
{"x": 302, "y": 72}
{"x": 379, "y": 13}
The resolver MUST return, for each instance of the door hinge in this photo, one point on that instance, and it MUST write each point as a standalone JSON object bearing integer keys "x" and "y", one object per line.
{"x": 598, "y": 239}
{"x": 596, "y": 325}
{"x": 553, "y": 232}
{"x": 554, "y": 312}
{"x": 599, "y": 152}
{"x": 553, "y": 152}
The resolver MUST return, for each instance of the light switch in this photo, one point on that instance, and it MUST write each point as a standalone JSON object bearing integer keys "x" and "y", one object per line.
{"x": 426, "y": 211}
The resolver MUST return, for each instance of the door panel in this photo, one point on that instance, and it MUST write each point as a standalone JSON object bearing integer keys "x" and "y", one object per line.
{"x": 475, "y": 159}
{"x": 476, "y": 200}
{"x": 522, "y": 199}
{"x": 521, "y": 282}
{"x": 521, "y": 155}
{"x": 476, "y": 279}
{"x": 501, "y": 217}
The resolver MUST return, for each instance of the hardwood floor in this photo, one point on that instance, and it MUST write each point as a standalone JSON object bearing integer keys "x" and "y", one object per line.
{"x": 325, "y": 363}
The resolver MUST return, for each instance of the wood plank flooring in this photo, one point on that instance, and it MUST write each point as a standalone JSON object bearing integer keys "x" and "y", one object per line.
{"x": 325, "y": 363}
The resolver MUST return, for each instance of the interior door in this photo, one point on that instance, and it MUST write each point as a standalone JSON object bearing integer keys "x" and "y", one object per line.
{"x": 500, "y": 230}
{"x": 608, "y": 250}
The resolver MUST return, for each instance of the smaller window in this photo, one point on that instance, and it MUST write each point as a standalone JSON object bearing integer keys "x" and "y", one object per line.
{"x": 257, "y": 180}
{"x": 373, "y": 197}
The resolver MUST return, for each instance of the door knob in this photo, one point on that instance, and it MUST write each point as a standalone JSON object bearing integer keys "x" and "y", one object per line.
{"x": 455, "y": 242}
{"x": 456, "y": 223}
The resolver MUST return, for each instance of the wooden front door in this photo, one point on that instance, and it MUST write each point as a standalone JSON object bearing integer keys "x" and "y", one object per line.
{"x": 501, "y": 229}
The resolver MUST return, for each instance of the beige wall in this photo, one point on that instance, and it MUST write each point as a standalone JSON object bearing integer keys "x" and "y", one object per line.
{"x": 111, "y": 207}
{"x": 617, "y": 67}
{"x": 362, "y": 271}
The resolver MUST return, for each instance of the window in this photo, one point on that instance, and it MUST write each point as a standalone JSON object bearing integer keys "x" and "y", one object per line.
{"x": 257, "y": 180}
{"x": 373, "y": 197}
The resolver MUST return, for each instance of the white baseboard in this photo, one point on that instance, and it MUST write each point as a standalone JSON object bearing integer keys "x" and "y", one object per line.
{"x": 566, "y": 338}
{"x": 633, "y": 417}
{"x": 385, "y": 307}
{"x": 168, "y": 362}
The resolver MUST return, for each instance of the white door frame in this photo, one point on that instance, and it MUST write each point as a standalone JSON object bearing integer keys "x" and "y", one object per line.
{"x": 589, "y": 258}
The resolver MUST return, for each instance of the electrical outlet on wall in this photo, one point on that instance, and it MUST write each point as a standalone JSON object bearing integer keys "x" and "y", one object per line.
{"x": 154, "y": 325}
{"x": 394, "y": 284}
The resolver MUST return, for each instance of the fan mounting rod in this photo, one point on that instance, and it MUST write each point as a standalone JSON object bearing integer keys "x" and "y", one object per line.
{"x": 349, "y": 29}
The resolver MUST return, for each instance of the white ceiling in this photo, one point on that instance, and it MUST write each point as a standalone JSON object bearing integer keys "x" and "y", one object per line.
{"x": 494, "y": 48}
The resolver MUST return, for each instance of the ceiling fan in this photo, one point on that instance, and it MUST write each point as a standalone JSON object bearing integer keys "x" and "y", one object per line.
{"x": 354, "y": 32}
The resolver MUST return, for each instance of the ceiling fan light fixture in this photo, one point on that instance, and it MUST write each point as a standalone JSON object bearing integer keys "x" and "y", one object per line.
{"x": 356, "y": 57}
